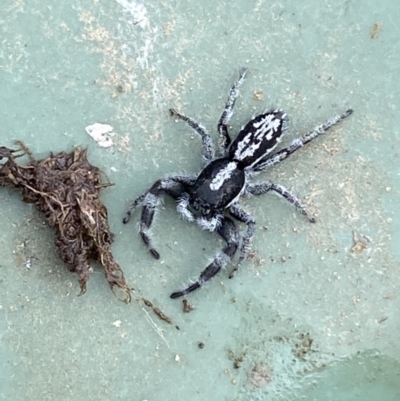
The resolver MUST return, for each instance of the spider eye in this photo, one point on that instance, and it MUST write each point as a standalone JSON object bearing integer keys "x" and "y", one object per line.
{"x": 206, "y": 212}
{"x": 195, "y": 205}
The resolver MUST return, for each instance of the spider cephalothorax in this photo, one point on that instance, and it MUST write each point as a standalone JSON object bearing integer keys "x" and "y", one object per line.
{"x": 212, "y": 197}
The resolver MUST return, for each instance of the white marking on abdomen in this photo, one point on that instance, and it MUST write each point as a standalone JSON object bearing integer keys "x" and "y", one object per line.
{"x": 265, "y": 130}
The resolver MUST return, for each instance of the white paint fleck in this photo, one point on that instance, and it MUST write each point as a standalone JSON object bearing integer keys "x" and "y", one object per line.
{"x": 101, "y": 133}
{"x": 137, "y": 10}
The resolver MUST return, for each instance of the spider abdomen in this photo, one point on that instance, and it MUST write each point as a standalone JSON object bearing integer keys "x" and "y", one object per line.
{"x": 258, "y": 138}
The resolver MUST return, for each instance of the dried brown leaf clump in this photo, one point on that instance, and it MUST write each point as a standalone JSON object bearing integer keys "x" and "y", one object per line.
{"x": 65, "y": 187}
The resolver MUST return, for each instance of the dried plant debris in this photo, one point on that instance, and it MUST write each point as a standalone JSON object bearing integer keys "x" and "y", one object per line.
{"x": 157, "y": 311}
{"x": 65, "y": 187}
{"x": 187, "y": 307}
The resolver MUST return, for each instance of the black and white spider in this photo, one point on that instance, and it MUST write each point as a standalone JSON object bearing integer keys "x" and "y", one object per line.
{"x": 213, "y": 196}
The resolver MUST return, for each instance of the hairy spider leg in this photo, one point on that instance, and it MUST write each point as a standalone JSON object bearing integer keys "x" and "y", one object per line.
{"x": 182, "y": 207}
{"x": 262, "y": 188}
{"x": 240, "y": 214}
{"x": 175, "y": 187}
{"x": 224, "y": 138}
{"x": 300, "y": 142}
{"x": 228, "y": 231}
{"x": 210, "y": 223}
{"x": 138, "y": 201}
{"x": 207, "y": 150}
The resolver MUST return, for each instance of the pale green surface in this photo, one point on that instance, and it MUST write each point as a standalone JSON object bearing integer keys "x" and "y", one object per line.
{"x": 60, "y": 66}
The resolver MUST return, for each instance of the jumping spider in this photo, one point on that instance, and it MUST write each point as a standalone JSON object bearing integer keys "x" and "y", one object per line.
{"x": 213, "y": 195}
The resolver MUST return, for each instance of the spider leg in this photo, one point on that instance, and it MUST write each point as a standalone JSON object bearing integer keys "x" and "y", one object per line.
{"x": 228, "y": 231}
{"x": 240, "y": 214}
{"x": 210, "y": 224}
{"x": 207, "y": 146}
{"x": 138, "y": 201}
{"x": 224, "y": 137}
{"x": 300, "y": 142}
{"x": 259, "y": 189}
{"x": 175, "y": 187}
{"x": 182, "y": 207}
